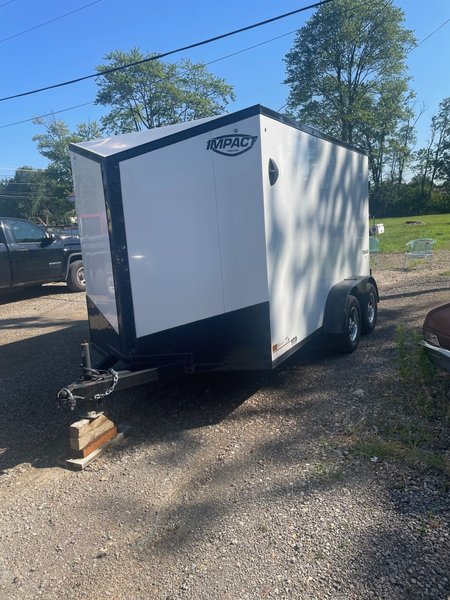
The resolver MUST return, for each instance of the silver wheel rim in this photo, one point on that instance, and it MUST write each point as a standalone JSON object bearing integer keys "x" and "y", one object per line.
{"x": 80, "y": 277}
{"x": 353, "y": 324}
{"x": 371, "y": 309}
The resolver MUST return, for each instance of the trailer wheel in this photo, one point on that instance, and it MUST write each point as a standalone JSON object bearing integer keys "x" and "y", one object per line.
{"x": 348, "y": 341}
{"x": 75, "y": 279}
{"x": 369, "y": 309}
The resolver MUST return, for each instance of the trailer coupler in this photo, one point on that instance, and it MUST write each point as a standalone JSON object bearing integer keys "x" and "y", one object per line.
{"x": 94, "y": 386}
{"x": 97, "y": 384}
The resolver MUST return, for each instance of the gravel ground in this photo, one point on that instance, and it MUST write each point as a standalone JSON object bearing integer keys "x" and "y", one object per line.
{"x": 236, "y": 486}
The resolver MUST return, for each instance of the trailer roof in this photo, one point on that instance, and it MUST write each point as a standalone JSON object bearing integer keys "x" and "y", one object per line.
{"x": 130, "y": 144}
{"x": 118, "y": 143}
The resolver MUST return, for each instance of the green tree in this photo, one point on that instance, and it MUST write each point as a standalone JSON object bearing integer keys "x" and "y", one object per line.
{"x": 423, "y": 160}
{"x": 54, "y": 145}
{"x": 401, "y": 145}
{"x": 381, "y": 132}
{"x": 52, "y": 206}
{"x": 156, "y": 93}
{"x": 21, "y": 194}
{"x": 433, "y": 161}
{"x": 346, "y": 73}
{"x": 29, "y": 194}
{"x": 444, "y": 165}
{"x": 441, "y": 126}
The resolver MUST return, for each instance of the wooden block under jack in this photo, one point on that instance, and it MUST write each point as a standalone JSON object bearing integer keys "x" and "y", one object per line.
{"x": 91, "y": 434}
{"x": 81, "y": 428}
{"x": 99, "y": 441}
{"x": 78, "y": 464}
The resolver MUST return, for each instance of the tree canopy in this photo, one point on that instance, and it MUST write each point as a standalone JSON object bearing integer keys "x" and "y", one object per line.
{"x": 31, "y": 194}
{"x": 54, "y": 145}
{"x": 42, "y": 193}
{"x": 346, "y": 72}
{"x": 156, "y": 93}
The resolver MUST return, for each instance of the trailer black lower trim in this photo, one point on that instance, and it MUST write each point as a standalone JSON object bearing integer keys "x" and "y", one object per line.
{"x": 229, "y": 340}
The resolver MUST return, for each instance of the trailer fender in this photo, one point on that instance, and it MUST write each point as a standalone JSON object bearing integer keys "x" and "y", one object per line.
{"x": 334, "y": 315}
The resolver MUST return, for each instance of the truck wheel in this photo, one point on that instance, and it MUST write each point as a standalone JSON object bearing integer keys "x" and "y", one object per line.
{"x": 369, "y": 309}
{"x": 347, "y": 342}
{"x": 75, "y": 279}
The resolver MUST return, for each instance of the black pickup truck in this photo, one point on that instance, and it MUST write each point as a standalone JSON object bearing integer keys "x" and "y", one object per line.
{"x": 30, "y": 255}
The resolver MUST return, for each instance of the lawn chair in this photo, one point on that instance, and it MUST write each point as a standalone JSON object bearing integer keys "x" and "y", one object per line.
{"x": 374, "y": 246}
{"x": 421, "y": 248}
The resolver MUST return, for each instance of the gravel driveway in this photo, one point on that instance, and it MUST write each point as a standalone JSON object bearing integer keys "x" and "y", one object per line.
{"x": 236, "y": 486}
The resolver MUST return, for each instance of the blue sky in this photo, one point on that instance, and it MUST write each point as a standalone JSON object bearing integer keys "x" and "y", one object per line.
{"x": 72, "y": 47}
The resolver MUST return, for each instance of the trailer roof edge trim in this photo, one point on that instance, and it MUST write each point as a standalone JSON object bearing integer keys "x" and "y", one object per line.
{"x": 165, "y": 136}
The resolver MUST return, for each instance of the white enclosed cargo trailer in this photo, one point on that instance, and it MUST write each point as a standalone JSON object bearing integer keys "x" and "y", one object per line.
{"x": 224, "y": 243}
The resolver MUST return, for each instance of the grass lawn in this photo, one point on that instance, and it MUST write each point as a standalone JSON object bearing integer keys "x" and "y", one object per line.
{"x": 396, "y": 233}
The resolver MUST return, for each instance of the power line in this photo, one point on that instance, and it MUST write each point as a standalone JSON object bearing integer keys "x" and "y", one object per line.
{"x": 429, "y": 35}
{"x": 54, "y": 112}
{"x": 47, "y": 22}
{"x": 6, "y": 3}
{"x": 216, "y": 60}
{"x": 169, "y": 53}
{"x": 27, "y": 170}
{"x": 163, "y": 78}
{"x": 206, "y": 64}
{"x": 278, "y": 37}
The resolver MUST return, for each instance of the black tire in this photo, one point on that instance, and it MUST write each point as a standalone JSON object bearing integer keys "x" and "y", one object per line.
{"x": 369, "y": 310}
{"x": 348, "y": 341}
{"x": 75, "y": 279}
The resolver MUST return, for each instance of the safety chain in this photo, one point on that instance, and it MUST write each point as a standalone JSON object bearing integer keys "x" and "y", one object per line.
{"x": 115, "y": 376}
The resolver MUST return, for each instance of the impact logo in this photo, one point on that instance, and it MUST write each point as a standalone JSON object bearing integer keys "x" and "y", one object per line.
{"x": 232, "y": 144}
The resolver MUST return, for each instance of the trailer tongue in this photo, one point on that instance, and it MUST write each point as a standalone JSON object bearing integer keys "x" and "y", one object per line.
{"x": 97, "y": 384}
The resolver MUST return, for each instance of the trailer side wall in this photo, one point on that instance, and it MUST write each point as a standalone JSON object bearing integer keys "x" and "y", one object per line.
{"x": 316, "y": 223}
{"x": 94, "y": 237}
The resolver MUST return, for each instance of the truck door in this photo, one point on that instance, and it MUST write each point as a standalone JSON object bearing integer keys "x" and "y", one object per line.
{"x": 32, "y": 257}
{"x": 5, "y": 269}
